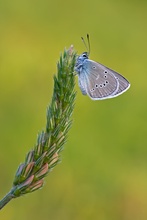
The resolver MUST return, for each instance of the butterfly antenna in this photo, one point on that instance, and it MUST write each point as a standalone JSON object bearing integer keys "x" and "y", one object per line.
{"x": 85, "y": 44}
{"x": 88, "y": 40}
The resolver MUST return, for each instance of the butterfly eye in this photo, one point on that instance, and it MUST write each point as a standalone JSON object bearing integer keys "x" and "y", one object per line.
{"x": 84, "y": 55}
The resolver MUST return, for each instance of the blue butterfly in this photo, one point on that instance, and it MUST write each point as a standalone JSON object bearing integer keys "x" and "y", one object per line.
{"x": 98, "y": 81}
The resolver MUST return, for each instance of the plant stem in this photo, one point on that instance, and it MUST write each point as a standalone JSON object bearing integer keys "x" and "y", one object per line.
{"x": 6, "y": 199}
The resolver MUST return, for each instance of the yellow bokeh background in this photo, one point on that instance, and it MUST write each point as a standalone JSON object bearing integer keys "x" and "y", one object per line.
{"x": 103, "y": 174}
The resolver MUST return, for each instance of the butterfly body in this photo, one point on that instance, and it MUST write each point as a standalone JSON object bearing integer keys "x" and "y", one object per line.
{"x": 98, "y": 81}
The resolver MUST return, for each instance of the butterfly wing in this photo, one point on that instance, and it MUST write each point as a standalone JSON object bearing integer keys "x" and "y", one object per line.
{"x": 124, "y": 84}
{"x": 98, "y": 82}
{"x": 82, "y": 85}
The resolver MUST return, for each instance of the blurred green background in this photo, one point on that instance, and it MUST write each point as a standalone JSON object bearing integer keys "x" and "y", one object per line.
{"x": 103, "y": 174}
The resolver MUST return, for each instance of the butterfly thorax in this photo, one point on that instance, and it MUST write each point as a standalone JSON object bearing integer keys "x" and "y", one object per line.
{"x": 79, "y": 62}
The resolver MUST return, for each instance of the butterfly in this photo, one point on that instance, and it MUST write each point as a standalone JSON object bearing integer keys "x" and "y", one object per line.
{"x": 96, "y": 80}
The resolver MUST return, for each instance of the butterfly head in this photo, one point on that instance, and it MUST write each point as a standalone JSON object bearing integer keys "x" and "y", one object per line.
{"x": 85, "y": 55}
{"x": 80, "y": 59}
